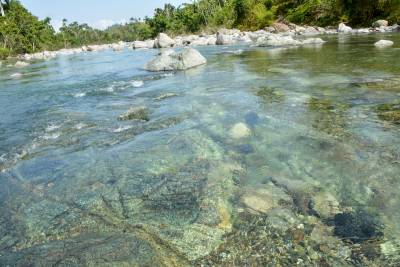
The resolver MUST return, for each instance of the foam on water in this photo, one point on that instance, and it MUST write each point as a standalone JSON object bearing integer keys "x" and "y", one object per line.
{"x": 51, "y": 136}
{"x": 122, "y": 128}
{"x": 52, "y": 127}
{"x": 80, "y": 126}
{"x": 137, "y": 83}
{"x": 16, "y": 75}
{"x": 78, "y": 95}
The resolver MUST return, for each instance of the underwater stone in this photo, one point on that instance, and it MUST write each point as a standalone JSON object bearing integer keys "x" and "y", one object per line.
{"x": 389, "y": 112}
{"x": 384, "y": 43}
{"x": 165, "y": 96}
{"x": 265, "y": 198}
{"x": 245, "y": 148}
{"x": 135, "y": 113}
{"x": 325, "y": 204}
{"x": 251, "y": 118}
{"x": 240, "y": 130}
{"x": 357, "y": 226}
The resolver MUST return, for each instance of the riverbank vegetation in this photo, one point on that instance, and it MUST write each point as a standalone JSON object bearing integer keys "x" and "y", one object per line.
{"x": 22, "y": 32}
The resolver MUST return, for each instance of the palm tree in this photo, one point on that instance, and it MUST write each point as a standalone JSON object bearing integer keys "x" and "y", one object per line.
{"x": 7, "y": 3}
{"x": 2, "y": 9}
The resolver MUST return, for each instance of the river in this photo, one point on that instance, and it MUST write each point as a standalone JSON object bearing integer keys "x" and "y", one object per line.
{"x": 261, "y": 157}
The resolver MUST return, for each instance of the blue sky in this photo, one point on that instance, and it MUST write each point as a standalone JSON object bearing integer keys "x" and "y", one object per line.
{"x": 97, "y": 13}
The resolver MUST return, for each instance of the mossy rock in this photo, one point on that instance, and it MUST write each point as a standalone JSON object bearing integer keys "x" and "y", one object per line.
{"x": 271, "y": 94}
{"x": 389, "y": 112}
{"x": 135, "y": 113}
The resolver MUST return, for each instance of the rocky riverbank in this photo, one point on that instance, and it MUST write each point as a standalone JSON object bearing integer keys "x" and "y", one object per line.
{"x": 275, "y": 35}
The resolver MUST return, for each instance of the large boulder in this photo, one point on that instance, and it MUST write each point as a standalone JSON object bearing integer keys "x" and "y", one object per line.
{"x": 280, "y": 27}
{"x": 143, "y": 44}
{"x": 223, "y": 39}
{"x": 380, "y": 23}
{"x": 311, "y": 31}
{"x": 343, "y": 28}
{"x": 201, "y": 41}
{"x": 163, "y": 41}
{"x": 384, "y": 43}
{"x": 277, "y": 41}
{"x": 170, "y": 60}
{"x": 394, "y": 28}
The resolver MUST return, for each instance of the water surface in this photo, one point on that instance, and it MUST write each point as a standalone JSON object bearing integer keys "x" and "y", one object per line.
{"x": 312, "y": 179}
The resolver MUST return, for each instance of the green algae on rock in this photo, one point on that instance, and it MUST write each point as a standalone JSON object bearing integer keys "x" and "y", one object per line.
{"x": 389, "y": 112}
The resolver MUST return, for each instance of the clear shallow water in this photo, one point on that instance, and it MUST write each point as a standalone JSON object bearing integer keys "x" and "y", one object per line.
{"x": 313, "y": 178}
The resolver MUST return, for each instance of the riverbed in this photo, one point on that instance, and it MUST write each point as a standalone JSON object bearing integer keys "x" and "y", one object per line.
{"x": 261, "y": 157}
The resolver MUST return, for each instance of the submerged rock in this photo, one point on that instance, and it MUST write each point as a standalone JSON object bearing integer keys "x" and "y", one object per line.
{"x": 384, "y": 43}
{"x": 325, "y": 205}
{"x": 313, "y": 41}
{"x": 265, "y": 198}
{"x": 357, "y": 226}
{"x": 389, "y": 112}
{"x": 135, "y": 113}
{"x": 21, "y": 64}
{"x": 165, "y": 96}
{"x": 240, "y": 130}
{"x": 251, "y": 118}
{"x": 271, "y": 94}
{"x": 170, "y": 60}
{"x": 163, "y": 41}
{"x": 245, "y": 148}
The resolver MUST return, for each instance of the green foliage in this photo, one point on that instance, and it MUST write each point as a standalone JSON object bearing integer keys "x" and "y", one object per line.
{"x": 21, "y": 32}
{"x": 4, "y": 53}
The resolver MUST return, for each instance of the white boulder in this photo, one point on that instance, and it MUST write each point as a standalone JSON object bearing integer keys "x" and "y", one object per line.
{"x": 224, "y": 39}
{"x": 163, "y": 41}
{"x": 380, "y": 23}
{"x": 343, "y": 28}
{"x": 310, "y": 31}
{"x": 202, "y": 41}
{"x": 277, "y": 40}
{"x": 170, "y": 60}
{"x": 384, "y": 43}
{"x": 143, "y": 44}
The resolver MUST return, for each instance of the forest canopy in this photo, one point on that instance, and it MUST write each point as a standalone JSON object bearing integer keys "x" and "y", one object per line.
{"x": 22, "y": 32}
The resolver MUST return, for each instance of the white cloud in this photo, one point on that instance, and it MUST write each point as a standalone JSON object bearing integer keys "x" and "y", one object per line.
{"x": 101, "y": 24}
{"x": 57, "y": 24}
{"x": 105, "y": 23}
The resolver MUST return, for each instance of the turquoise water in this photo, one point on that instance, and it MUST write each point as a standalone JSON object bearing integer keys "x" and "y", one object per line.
{"x": 261, "y": 157}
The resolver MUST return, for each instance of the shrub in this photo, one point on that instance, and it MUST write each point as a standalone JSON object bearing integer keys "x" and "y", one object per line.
{"x": 4, "y": 53}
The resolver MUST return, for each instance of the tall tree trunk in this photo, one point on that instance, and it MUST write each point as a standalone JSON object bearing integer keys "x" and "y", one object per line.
{"x": 1, "y": 9}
